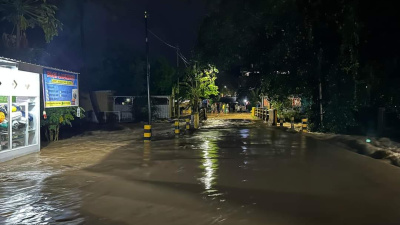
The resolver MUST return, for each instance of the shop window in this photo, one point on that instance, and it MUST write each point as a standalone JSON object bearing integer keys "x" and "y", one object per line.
{"x": 24, "y": 121}
{"x": 4, "y": 123}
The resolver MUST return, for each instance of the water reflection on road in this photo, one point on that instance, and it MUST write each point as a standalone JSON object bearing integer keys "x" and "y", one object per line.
{"x": 229, "y": 172}
{"x": 210, "y": 165}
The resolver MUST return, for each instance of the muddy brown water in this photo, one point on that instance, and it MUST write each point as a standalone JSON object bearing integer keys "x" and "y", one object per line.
{"x": 229, "y": 172}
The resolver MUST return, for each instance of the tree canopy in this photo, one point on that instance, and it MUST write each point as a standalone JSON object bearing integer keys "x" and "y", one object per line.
{"x": 297, "y": 44}
{"x": 199, "y": 83}
{"x": 24, "y": 14}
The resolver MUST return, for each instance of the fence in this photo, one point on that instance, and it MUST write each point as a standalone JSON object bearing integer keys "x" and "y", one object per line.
{"x": 267, "y": 115}
{"x": 162, "y": 111}
{"x": 262, "y": 113}
{"x": 124, "y": 106}
{"x": 129, "y": 108}
{"x": 111, "y": 116}
{"x": 126, "y": 112}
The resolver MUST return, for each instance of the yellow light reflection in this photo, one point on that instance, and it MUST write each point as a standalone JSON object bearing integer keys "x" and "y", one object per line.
{"x": 146, "y": 154}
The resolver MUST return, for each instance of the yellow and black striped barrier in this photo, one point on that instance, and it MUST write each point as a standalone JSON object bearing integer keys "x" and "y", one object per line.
{"x": 147, "y": 133}
{"x": 177, "y": 131}
{"x": 304, "y": 125}
{"x": 187, "y": 124}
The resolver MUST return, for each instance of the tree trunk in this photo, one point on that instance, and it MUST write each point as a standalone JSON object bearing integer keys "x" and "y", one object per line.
{"x": 51, "y": 135}
{"x": 57, "y": 133}
{"x": 47, "y": 134}
{"x": 196, "y": 120}
{"x": 196, "y": 105}
{"x": 18, "y": 41}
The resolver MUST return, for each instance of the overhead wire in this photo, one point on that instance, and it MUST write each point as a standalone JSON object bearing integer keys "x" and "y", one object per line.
{"x": 183, "y": 56}
{"x": 184, "y": 59}
{"x": 169, "y": 45}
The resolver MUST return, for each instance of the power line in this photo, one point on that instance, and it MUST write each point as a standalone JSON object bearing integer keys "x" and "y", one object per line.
{"x": 182, "y": 56}
{"x": 184, "y": 59}
{"x": 169, "y": 45}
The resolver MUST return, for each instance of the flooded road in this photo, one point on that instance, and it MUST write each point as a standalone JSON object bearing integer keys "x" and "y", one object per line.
{"x": 229, "y": 172}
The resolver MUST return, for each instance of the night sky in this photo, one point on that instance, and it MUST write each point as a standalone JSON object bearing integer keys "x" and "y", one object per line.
{"x": 175, "y": 21}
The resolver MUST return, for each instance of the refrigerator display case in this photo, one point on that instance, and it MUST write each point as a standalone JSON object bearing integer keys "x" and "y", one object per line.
{"x": 19, "y": 113}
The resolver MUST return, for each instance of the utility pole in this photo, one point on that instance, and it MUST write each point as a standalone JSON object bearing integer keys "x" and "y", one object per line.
{"x": 177, "y": 56}
{"x": 147, "y": 68}
{"x": 177, "y": 71}
{"x": 321, "y": 113}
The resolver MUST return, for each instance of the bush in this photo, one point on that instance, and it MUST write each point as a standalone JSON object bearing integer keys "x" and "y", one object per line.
{"x": 286, "y": 110}
{"x": 287, "y": 114}
{"x": 57, "y": 117}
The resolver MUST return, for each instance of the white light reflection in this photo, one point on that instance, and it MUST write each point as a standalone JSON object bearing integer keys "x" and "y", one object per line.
{"x": 244, "y": 149}
{"x": 244, "y": 133}
{"x": 210, "y": 166}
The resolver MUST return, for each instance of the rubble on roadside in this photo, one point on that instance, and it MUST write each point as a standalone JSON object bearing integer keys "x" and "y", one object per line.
{"x": 378, "y": 148}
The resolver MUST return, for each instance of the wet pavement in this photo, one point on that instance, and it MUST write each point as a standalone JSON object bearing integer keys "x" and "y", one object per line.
{"x": 229, "y": 172}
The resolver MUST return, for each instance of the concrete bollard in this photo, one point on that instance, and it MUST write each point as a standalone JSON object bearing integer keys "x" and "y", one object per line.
{"x": 292, "y": 123}
{"x": 147, "y": 133}
{"x": 177, "y": 131}
{"x": 187, "y": 124}
{"x": 304, "y": 125}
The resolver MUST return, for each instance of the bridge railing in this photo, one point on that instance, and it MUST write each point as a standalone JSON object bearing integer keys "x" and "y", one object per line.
{"x": 262, "y": 113}
{"x": 267, "y": 115}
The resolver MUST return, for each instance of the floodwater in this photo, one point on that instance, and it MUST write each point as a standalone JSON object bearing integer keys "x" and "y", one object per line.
{"x": 229, "y": 172}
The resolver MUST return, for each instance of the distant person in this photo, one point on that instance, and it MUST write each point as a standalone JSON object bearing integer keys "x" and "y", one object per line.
{"x": 212, "y": 108}
{"x": 223, "y": 108}
{"x": 218, "y": 107}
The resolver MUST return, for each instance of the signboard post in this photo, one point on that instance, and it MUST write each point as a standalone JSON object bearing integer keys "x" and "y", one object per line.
{"x": 60, "y": 89}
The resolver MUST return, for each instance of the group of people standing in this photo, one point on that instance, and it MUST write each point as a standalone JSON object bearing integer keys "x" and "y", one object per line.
{"x": 219, "y": 107}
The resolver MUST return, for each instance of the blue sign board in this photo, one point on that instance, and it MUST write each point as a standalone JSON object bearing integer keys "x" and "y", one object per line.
{"x": 60, "y": 89}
